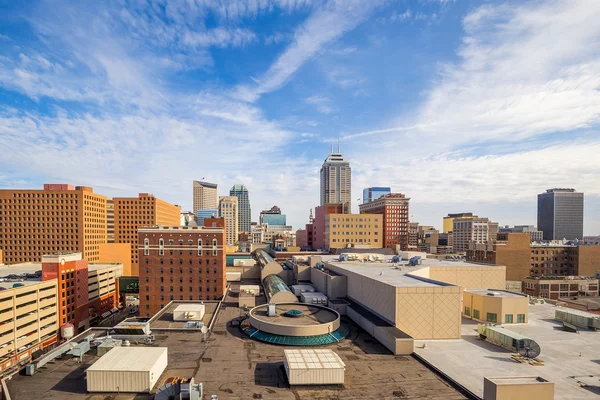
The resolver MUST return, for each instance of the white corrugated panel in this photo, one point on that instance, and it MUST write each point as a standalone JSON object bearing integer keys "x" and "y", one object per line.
{"x": 127, "y": 369}
{"x": 314, "y": 367}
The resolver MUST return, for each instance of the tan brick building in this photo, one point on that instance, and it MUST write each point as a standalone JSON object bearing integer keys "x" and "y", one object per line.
{"x": 180, "y": 263}
{"x": 59, "y": 218}
{"x": 524, "y": 259}
{"x": 342, "y": 230}
{"x": 132, "y": 213}
{"x": 394, "y": 208}
{"x": 228, "y": 209}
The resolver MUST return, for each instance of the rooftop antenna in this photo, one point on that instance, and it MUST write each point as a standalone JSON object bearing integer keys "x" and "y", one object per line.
{"x": 338, "y": 145}
{"x": 331, "y": 147}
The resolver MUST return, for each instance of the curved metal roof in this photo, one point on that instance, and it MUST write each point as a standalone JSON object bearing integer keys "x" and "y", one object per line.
{"x": 273, "y": 284}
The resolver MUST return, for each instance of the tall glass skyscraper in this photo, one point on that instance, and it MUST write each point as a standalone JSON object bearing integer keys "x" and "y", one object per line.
{"x": 244, "y": 213}
{"x": 373, "y": 193}
{"x": 206, "y": 213}
{"x": 560, "y": 214}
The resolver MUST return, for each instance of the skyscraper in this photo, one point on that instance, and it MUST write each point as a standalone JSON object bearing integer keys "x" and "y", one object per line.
{"x": 336, "y": 181}
{"x": 373, "y": 193}
{"x": 244, "y": 213}
{"x": 272, "y": 216}
{"x": 205, "y": 196}
{"x": 228, "y": 210}
{"x": 560, "y": 214}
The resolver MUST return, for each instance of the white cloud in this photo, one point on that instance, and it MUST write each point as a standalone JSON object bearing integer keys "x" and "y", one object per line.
{"x": 323, "y": 27}
{"x": 401, "y": 16}
{"x": 322, "y": 104}
{"x": 220, "y": 37}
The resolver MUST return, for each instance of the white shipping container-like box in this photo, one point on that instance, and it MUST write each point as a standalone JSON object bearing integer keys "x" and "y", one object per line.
{"x": 314, "y": 367}
{"x": 243, "y": 262}
{"x": 127, "y": 369}
{"x": 189, "y": 312}
{"x": 313, "y": 298}
{"x": 233, "y": 276}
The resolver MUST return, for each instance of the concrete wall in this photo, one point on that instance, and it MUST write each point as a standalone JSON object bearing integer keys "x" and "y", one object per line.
{"x": 395, "y": 345}
{"x": 117, "y": 253}
{"x": 247, "y": 272}
{"x": 495, "y": 390}
{"x": 588, "y": 260}
{"x": 429, "y": 312}
{"x": 469, "y": 277}
{"x": 496, "y": 305}
{"x": 333, "y": 286}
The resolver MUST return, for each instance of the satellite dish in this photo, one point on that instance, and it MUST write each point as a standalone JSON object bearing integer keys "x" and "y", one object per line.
{"x": 529, "y": 348}
{"x": 204, "y": 329}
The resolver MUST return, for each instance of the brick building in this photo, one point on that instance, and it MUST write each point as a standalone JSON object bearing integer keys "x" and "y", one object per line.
{"x": 181, "y": 263}
{"x": 394, "y": 208}
{"x": 134, "y": 212}
{"x": 318, "y": 223}
{"x": 524, "y": 259}
{"x": 555, "y": 288}
{"x": 59, "y": 218}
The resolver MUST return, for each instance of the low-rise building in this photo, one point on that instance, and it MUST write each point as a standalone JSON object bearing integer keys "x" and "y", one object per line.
{"x": 524, "y": 259}
{"x": 557, "y": 287}
{"x": 535, "y": 235}
{"x": 394, "y": 209}
{"x": 495, "y": 306}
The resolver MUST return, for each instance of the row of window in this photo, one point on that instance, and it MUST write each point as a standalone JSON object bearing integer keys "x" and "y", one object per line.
{"x": 493, "y": 317}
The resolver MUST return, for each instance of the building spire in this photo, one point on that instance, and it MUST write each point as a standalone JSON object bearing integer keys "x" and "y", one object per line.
{"x": 338, "y": 145}
{"x": 331, "y": 150}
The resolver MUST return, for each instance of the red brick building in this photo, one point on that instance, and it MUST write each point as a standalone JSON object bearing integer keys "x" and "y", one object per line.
{"x": 394, "y": 208}
{"x": 71, "y": 273}
{"x": 181, "y": 263}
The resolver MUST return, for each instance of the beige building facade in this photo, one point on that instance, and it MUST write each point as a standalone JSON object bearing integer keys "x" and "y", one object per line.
{"x": 228, "y": 210}
{"x": 495, "y": 306}
{"x": 58, "y": 218}
{"x": 472, "y": 229}
{"x": 344, "y": 230}
{"x": 205, "y": 196}
{"x": 28, "y": 321}
{"x": 132, "y": 213}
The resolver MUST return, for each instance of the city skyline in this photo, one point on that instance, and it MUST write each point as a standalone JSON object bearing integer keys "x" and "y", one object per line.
{"x": 129, "y": 103}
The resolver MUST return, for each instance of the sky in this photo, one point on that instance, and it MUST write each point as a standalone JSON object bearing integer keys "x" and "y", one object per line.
{"x": 464, "y": 106}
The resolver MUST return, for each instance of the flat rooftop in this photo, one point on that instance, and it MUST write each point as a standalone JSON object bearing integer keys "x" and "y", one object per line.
{"x": 311, "y": 315}
{"x": 505, "y": 294}
{"x": 564, "y": 354}
{"x": 233, "y": 366}
{"x": 386, "y": 273}
{"x": 517, "y": 380}
{"x": 129, "y": 359}
{"x": 164, "y": 318}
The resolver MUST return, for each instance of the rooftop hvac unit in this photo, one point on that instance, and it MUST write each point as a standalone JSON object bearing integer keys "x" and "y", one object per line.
{"x": 271, "y": 311}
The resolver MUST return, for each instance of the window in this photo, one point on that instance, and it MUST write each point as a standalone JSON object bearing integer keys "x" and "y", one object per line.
{"x": 476, "y": 314}
{"x": 146, "y": 247}
{"x": 564, "y": 286}
{"x": 544, "y": 286}
{"x": 521, "y": 318}
{"x": 214, "y": 249}
{"x": 468, "y": 311}
{"x": 161, "y": 247}
{"x": 508, "y": 319}
{"x": 492, "y": 317}
{"x": 199, "y": 247}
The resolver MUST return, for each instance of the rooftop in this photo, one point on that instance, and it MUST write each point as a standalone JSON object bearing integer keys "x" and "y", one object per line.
{"x": 505, "y": 294}
{"x": 312, "y": 359}
{"x": 517, "y": 380}
{"x": 564, "y": 355}
{"x": 129, "y": 359}
{"x": 233, "y": 366}
{"x": 311, "y": 315}
{"x": 387, "y": 274}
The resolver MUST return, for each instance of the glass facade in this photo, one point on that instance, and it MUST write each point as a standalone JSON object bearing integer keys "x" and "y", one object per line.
{"x": 274, "y": 219}
{"x": 206, "y": 213}
{"x": 560, "y": 214}
{"x": 373, "y": 193}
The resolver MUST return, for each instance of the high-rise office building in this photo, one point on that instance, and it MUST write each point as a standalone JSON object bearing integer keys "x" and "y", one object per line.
{"x": 373, "y": 193}
{"x": 59, "y": 218}
{"x": 228, "y": 210}
{"x": 470, "y": 229}
{"x": 132, "y": 213}
{"x": 110, "y": 220}
{"x": 336, "y": 176}
{"x": 272, "y": 217}
{"x": 394, "y": 208}
{"x": 180, "y": 264}
{"x": 205, "y": 196}
{"x": 560, "y": 214}
{"x": 244, "y": 212}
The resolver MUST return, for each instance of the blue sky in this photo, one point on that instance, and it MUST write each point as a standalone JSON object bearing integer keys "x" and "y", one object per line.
{"x": 463, "y": 105}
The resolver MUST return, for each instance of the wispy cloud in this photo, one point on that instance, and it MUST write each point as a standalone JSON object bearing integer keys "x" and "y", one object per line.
{"x": 322, "y": 28}
{"x": 322, "y": 103}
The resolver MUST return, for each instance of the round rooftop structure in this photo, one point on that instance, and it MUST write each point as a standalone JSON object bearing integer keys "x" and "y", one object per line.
{"x": 295, "y": 324}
